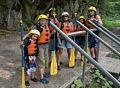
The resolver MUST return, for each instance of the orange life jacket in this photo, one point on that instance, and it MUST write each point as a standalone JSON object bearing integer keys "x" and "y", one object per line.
{"x": 67, "y": 27}
{"x": 44, "y": 35}
{"x": 79, "y": 28}
{"x": 32, "y": 48}
{"x": 90, "y": 26}
{"x": 56, "y": 23}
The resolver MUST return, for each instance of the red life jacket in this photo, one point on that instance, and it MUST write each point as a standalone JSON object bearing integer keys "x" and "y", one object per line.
{"x": 79, "y": 28}
{"x": 56, "y": 23}
{"x": 32, "y": 47}
{"x": 67, "y": 27}
{"x": 90, "y": 26}
{"x": 44, "y": 35}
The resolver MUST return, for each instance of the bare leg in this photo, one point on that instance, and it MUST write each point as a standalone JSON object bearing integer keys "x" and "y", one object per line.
{"x": 26, "y": 77}
{"x": 33, "y": 74}
{"x": 69, "y": 53}
{"x": 58, "y": 59}
{"x": 42, "y": 71}
{"x": 93, "y": 52}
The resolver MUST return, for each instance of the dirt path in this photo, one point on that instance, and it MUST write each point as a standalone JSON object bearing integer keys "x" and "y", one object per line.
{"x": 10, "y": 65}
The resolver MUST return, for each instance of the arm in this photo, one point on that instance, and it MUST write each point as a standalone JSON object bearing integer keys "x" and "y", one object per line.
{"x": 99, "y": 19}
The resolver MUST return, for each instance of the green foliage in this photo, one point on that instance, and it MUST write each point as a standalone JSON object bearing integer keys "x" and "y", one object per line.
{"x": 111, "y": 23}
{"x": 77, "y": 84}
{"x": 99, "y": 81}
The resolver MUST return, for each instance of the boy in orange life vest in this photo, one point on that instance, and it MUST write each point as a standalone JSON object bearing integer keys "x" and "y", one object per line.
{"x": 43, "y": 44}
{"x": 80, "y": 38}
{"x": 92, "y": 41}
{"x": 31, "y": 50}
{"x": 54, "y": 33}
{"x": 67, "y": 27}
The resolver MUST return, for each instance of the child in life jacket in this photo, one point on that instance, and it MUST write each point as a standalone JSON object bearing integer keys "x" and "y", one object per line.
{"x": 80, "y": 38}
{"x": 92, "y": 41}
{"x": 31, "y": 51}
{"x": 54, "y": 38}
{"x": 43, "y": 45}
{"x": 67, "y": 27}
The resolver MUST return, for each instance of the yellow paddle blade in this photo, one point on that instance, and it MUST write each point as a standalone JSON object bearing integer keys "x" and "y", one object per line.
{"x": 72, "y": 59}
{"x": 88, "y": 51}
{"x": 53, "y": 67}
{"x": 82, "y": 60}
{"x": 23, "y": 78}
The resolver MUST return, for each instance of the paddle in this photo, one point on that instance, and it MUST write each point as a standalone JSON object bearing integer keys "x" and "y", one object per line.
{"x": 72, "y": 57}
{"x": 53, "y": 67}
{"x": 22, "y": 51}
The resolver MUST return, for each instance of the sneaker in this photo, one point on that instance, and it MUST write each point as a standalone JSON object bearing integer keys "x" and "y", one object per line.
{"x": 95, "y": 58}
{"x": 47, "y": 75}
{"x": 58, "y": 68}
{"x": 27, "y": 83}
{"x": 44, "y": 81}
{"x": 34, "y": 79}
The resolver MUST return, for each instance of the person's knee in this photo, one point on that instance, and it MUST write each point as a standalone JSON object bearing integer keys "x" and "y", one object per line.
{"x": 60, "y": 51}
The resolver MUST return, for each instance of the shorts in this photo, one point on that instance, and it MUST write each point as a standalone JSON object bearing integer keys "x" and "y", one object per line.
{"x": 65, "y": 44}
{"x": 53, "y": 44}
{"x": 30, "y": 65}
{"x": 43, "y": 57}
{"x": 80, "y": 40}
{"x": 92, "y": 41}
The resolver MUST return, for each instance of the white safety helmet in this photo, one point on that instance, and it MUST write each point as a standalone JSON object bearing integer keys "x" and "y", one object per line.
{"x": 65, "y": 13}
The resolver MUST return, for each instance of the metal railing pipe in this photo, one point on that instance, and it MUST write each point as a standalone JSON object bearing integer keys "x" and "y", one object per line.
{"x": 79, "y": 32}
{"x": 84, "y": 64}
{"x": 109, "y": 32}
{"x": 105, "y": 33}
{"x": 102, "y": 41}
{"x": 106, "y": 73}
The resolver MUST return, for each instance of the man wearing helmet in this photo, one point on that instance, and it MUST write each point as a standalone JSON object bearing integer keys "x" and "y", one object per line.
{"x": 92, "y": 41}
{"x": 67, "y": 27}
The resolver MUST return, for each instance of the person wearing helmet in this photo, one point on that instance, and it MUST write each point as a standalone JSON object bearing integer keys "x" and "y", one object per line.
{"x": 43, "y": 42}
{"x": 67, "y": 27}
{"x": 54, "y": 35}
{"x": 30, "y": 52}
{"x": 80, "y": 38}
{"x": 43, "y": 45}
{"x": 92, "y": 41}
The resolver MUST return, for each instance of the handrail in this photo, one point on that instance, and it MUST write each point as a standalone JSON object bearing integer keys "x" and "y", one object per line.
{"x": 106, "y": 73}
{"x": 104, "y": 32}
{"x": 109, "y": 32}
{"x": 79, "y": 32}
{"x": 101, "y": 40}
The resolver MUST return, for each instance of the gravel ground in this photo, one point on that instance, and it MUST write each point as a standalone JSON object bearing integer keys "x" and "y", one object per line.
{"x": 10, "y": 65}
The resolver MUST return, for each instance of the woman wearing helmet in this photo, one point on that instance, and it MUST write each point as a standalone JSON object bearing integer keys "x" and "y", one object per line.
{"x": 92, "y": 41}
{"x": 31, "y": 50}
{"x": 67, "y": 27}
{"x": 80, "y": 38}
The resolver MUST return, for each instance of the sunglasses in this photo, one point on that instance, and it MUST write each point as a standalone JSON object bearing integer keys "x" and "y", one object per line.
{"x": 91, "y": 10}
{"x": 65, "y": 16}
